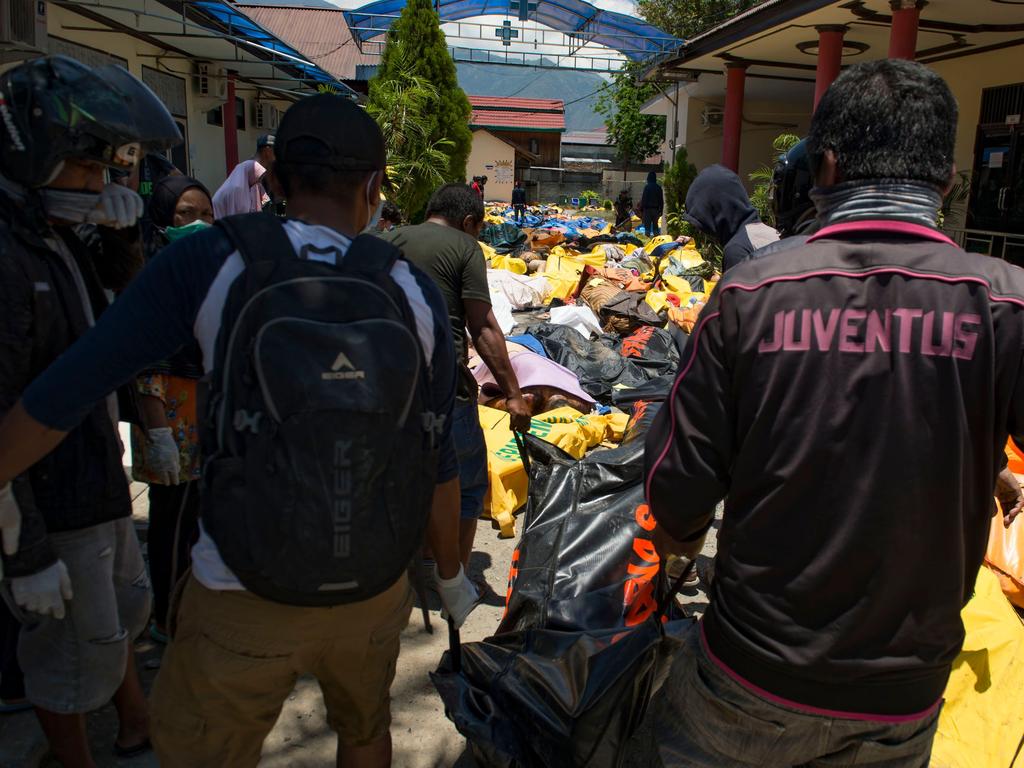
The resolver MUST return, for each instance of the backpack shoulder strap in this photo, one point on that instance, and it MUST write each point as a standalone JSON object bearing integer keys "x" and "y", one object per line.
{"x": 258, "y": 237}
{"x": 370, "y": 254}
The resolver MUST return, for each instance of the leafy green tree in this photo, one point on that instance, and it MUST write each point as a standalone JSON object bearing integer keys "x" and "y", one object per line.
{"x": 686, "y": 18}
{"x": 678, "y": 178}
{"x": 635, "y": 136}
{"x": 416, "y": 49}
{"x": 416, "y": 164}
{"x": 762, "y": 178}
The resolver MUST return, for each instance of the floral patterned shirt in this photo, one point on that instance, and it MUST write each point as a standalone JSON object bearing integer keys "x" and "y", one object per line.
{"x": 179, "y": 398}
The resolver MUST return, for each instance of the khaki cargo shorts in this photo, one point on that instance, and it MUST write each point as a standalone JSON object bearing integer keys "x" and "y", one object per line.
{"x": 235, "y": 658}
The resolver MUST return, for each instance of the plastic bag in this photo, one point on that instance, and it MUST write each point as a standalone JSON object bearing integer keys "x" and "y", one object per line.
{"x": 1005, "y": 555}
{"x": 597, "y": 364}
{"x": 981, "y": 724}
{"x": 581, "y": 649}
{"x": 580, "y": 319}
{"x": 509, "y": 263}
{"x": 507, "y": 475}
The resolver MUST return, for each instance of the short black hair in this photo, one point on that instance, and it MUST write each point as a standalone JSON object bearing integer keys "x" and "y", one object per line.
{"x": 390, "y": 212}
{"x": 317, "y": 178}
{"x": 454, "y": 202}
{"x": 887, "y": 119}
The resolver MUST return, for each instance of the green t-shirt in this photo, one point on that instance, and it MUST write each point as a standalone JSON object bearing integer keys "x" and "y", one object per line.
{"x": 455, "y": 262}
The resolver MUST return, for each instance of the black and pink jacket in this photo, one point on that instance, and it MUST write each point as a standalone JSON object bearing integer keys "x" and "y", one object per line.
{"x": 850, "y": 398}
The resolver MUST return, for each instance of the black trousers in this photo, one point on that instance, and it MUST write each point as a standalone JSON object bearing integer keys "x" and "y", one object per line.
{"x": 651, "y": 222}
{"x": 173, "y": 529}
{"x": 520, "y": 211}
{"x": 12, "y": 684}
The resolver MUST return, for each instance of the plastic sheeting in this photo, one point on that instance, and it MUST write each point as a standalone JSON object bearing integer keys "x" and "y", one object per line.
{"x": 982, "y": 721}
{"x": 570, "y": 430}
{"x": 1005, "y": 555}
{"x": 600, "y": 367}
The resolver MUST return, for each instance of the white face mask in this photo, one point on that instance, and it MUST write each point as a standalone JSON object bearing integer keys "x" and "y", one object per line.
{"x": 69, "y": 206}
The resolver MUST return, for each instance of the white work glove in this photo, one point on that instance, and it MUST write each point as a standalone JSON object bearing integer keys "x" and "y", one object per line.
{"x": 162, "y": 457}
{"x": 10, "y": 523}
{"x": 458, "y": 595}
{"x": 44, "y": 592}
{"x": 118, "y": 207}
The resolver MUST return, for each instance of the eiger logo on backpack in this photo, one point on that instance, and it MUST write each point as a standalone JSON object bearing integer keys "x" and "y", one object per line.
{"x": 342, "y": 368}
{"x": 323, "y": 499}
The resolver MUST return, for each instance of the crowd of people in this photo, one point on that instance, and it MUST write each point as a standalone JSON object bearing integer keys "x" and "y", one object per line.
{"x": 304, "y": 416}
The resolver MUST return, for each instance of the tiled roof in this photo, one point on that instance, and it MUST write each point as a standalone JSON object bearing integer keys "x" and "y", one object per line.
{"x": 319, "y": 34}
{"x": 499, "y": 112}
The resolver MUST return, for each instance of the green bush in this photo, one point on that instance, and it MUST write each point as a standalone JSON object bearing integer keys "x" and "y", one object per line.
{"x": 607, "y": 205}
{"x": 587, "y": 196}
{"x": 678, "y": 178}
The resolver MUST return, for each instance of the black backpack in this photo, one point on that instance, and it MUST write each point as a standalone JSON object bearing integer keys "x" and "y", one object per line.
{"x": 321, "y": 443}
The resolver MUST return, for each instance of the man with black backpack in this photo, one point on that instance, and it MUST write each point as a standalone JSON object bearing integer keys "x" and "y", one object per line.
{"x": 328, "y": 440}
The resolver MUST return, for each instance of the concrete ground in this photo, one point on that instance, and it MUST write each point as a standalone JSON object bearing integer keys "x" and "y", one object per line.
{"x": 423, "y": 737}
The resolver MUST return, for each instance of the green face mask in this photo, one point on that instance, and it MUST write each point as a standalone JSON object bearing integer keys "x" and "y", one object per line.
{"x": 176, "y": 233}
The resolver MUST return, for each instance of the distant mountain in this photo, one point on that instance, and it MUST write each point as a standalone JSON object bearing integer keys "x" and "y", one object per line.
{"x": 529, "y": 82}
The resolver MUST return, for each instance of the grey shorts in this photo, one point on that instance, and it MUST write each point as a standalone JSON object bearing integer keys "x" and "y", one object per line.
{"x": 705, "y": 719}
{"x": 75, "y": 664}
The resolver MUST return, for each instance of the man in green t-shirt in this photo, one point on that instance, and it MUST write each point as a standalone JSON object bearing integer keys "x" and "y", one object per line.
{"x": 446, "y": 248}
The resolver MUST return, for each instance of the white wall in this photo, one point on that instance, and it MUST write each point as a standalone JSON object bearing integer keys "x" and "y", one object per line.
{"x": 493, "y": 158}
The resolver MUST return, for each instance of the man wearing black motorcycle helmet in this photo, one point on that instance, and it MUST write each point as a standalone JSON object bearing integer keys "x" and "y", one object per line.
{"x": 73, "y": 572}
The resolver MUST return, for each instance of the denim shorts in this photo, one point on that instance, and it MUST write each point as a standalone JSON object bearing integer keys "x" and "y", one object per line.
{"x": 472, "y": 455}
{"x": 75, "y": 664}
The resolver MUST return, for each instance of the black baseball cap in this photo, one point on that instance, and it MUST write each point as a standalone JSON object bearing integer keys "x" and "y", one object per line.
{"x": 266, "y": 140}
{"x": 330, "y": 130}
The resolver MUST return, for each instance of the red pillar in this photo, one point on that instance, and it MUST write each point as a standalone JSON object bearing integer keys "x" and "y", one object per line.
{"x": 735, "y": 78}
{"x": 230, "y": 126}
{"x": 830, "y": 58}
{"x": 903, "y": 35}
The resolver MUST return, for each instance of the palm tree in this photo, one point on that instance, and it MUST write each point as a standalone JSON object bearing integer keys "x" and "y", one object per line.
{"x": 402, "y": 108}
{"x": 762, "y": 178}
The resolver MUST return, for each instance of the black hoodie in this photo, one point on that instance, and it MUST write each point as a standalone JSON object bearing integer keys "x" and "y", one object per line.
{"x": 718, "y": 205}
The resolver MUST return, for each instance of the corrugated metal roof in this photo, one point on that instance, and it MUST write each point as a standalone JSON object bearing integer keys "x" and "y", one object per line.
{"x": 319, "y": 34}
{"x": 597, "y": 137}
{"x": 510, "y": 102}
{"x": 500, "y": 112}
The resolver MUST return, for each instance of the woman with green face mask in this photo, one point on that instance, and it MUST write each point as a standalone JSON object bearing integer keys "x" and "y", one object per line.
{"x": 165, "y": 451}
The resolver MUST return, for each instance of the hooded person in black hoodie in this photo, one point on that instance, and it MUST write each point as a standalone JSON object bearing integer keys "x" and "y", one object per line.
{"x": 718, "y": 205}
{"x": 652, "y": 203}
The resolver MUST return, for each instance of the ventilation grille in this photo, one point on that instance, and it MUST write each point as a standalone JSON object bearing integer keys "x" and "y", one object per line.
{"x": 999, "y": 103}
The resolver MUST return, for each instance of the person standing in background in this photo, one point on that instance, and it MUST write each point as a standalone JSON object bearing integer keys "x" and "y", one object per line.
{"x": 242, "y": 191}
{"x": 165, "y": 454}
{"x": 652, "y": 203}
{"x": 519, "y": 202}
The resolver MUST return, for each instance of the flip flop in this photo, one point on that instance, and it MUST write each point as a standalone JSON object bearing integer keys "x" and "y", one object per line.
{"x": 127, "y": 752}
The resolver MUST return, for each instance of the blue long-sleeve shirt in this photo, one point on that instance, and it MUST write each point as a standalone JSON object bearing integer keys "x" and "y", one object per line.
{"x": 179, "y": 297}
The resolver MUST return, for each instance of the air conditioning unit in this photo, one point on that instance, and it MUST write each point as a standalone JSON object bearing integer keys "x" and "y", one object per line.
{"x": 210, "y": 81}
{"x": 711, "y": 118}
{"x": 265, "y": 117}
{"x": 22, "y": 26}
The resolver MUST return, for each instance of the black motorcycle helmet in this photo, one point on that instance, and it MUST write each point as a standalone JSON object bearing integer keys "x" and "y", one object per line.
{"x": 55, "y": 108}
{"x": 791, "y": 186}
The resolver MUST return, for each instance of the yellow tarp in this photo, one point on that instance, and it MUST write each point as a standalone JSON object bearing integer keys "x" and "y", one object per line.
{"x": 489, "y": 253}
{"x": 563, "y": 273}
{"x": 566, "y": 428}
{"x": 511, "y": 263}
{"x": 982, "y": 722}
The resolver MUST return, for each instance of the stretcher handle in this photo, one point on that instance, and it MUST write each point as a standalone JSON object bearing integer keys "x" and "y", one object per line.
{"x": 666, "y": 601}
{"x": 524, "y": 455}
